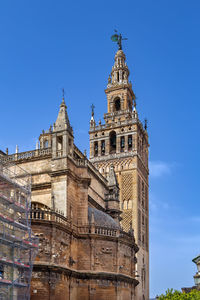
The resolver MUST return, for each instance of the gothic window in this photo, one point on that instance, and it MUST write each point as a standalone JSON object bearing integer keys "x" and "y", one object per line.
{"x": 130, "y": 142}
{"x": 122, "y": 143}
{"x": 95, "y": 148}
{"x": 103, "y": 147}
{"x": 113, "y": 142}
{"x": 117, "y": 104}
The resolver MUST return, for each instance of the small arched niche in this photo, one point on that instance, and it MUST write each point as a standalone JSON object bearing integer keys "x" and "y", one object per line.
{"x": 117, "y": 104}
{"x": 112, "y": 142}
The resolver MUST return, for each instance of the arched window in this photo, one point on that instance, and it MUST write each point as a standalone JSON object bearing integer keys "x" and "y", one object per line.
{"x": 122, "y": 143}
{"x": 117, "y": 104}
{"x": 46, "y": 144}
{"x": 103, "y": 147}
{"x": 95, "y": 148}
{"x": 112, "y": 142}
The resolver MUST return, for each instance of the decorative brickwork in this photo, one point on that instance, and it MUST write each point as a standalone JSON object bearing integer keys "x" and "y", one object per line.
{"x": 126, "y": 219}
{"x": 127, "y": 187}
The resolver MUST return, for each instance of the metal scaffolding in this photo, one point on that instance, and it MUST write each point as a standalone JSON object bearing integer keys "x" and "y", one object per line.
{"x": 18, "y": 246}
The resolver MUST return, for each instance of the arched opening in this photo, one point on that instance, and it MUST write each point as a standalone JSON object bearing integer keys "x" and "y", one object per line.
{"x": 46, "y": 144}
{"x": 122, "y": 143}
{"x": 103, "y": 147}
{"x": 95, "y": 148}
{"x": 117, "y": 104}
{"x": 112, "y": 142}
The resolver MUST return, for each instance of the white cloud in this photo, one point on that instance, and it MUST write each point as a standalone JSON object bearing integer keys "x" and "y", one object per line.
{"x": 159, "y": 168}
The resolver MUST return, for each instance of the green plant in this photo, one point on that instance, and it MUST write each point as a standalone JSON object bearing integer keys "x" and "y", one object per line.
{"x": 176, "y": 295}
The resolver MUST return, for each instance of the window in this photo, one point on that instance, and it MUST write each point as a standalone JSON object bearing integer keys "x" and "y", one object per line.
{"x": 102, "y": 147}
{"x": 59, "y": 143}
{"x": 95, "y": 148}
{"x": 46, "y": 144}
{"x": 122, "y": 143}
{"x": 113, "y": 142}
{"x": 117, "y": 104}
{"x": 130, "y": 142}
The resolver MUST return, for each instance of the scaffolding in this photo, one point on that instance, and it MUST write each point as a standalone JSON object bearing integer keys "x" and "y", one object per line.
{"x": 18, "y": 245}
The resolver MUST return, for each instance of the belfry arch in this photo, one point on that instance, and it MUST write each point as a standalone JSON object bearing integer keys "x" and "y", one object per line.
{"x": 112, "y": 139}
{"x": 117, "y": 104}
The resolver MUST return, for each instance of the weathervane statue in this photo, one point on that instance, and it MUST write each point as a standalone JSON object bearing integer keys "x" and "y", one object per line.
{"x": 118, "y": 39}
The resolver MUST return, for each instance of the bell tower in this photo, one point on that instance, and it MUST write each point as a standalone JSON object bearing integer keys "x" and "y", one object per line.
{"x": 122, "y": 143}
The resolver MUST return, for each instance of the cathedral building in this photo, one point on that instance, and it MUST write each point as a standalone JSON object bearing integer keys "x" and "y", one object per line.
{"x": 91, "y": 216}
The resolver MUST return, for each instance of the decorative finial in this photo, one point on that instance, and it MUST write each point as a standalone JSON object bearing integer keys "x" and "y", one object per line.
{"x": 145, "y": 124}
{"x": 92, "y": 108}
{"x": 117, "y": 37}
{"x": 109, "y": 79}
{"x": 63, "y": 105}
{"x": 63, "y": 93}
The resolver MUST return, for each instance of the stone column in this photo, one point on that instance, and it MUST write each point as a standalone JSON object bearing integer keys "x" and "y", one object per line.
{"x": 117, "y": 144}
{"x": 91, "y": 149}
{"x": 65, "y": 145}
{"x": 126, "y": 143}
{"x": 107, "y": 145}
{"x": 99, "y": 148}
{"x": 54, "y": 146}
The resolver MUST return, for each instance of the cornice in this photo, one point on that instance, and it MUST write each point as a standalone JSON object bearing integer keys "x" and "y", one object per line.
{"x": 84, "y": 274}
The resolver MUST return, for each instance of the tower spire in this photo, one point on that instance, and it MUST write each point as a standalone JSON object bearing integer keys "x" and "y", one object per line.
{"x": 62, "y": 121}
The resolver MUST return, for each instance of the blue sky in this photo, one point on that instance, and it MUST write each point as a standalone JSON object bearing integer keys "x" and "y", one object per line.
{"x": 48, "y": 45}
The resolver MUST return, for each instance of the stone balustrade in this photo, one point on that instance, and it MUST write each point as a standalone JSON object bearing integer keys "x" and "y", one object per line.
{"x": 26, "y": 155}
{"x": 56, "y": 217}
